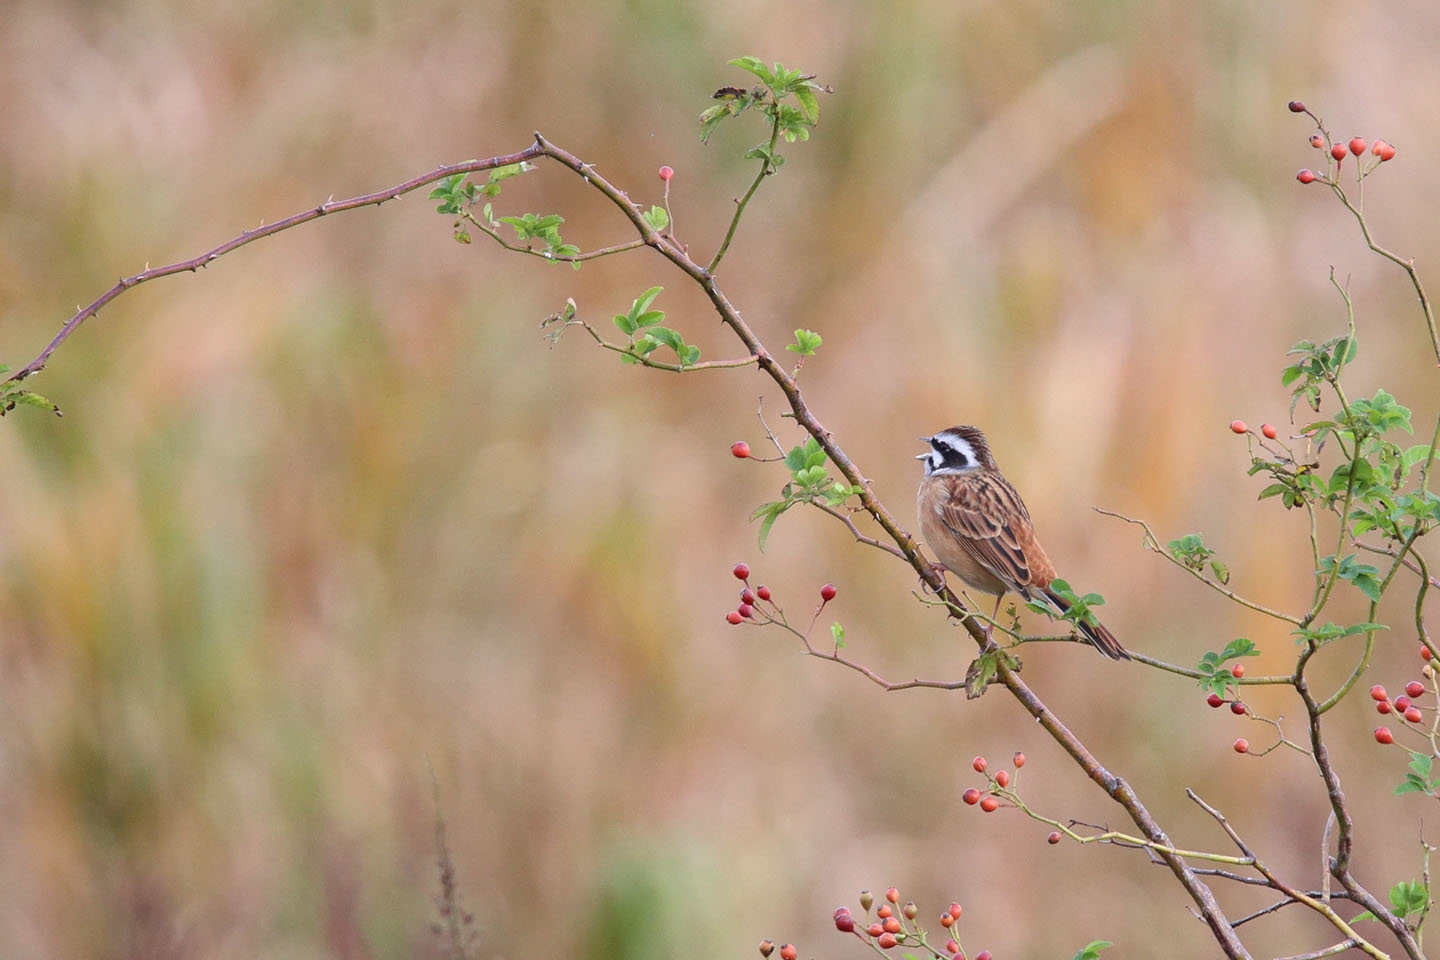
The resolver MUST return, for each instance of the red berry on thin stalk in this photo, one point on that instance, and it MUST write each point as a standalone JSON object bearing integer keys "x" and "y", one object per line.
{"x": 666, "y": 173}
{"x": 979, "y": 764}
{"x": 1215, "y": 700}
{"x": 1402, "y": 704}
{"x": 733, "y": 617}
{"x": 983, "y": 955}
{"x": 886, "y": 941}
{"x": 875, "y": 929}
{"x": 946, "y": 921}
{"x": 1383, "y": 735}
{"x": 1269, "y": 430}
{"x": 1295, "y": 107}
{"x": 1383, "y": 706}
{"x": 1377, "y": 692}
{"x": 1317, "y": 141}
{"x": 742, "y": 571}
{"x": 1003, "y": 778}
{"x": 1237, "y": 671}
{"x": 1413, "y": 714}
{"x": 892, "y": 895}
{"x": 1338, "y": 151}
{"x": 1387, "y": 152}
{"x": 739, "y": 449}
{"x": 1358, "y": 145}
{"x": 1241, "y": 745}
{"x": 971, "y": 796}
{"x": 763, "y": 592}
{"x": 746, "y": 611}
{"x": 892, "y": 925}
{"x": 885, "y": 912}
{"x": 748, "y": 596}
{"x": 827, "y": 592}
{"x": 1415, "y": 688}
{"x": 1238, "y": 426}
{"x": 1237, "y": 708}
{"x": 1425, "y": 653}
{"x": 843, "y": 921}
{"x": 788, "y": 951}
{"x": 1019, "y": 760}
{"x": 989, "y": 804}
{"x": 1054, "y": 838}
{"x": 955, "y": 911}
{"x": 950, "y": 945}
{"x": 1306, "y": 176}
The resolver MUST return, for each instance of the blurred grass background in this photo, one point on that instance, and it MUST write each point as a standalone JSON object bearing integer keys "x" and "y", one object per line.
{"x": 329, "y": 515}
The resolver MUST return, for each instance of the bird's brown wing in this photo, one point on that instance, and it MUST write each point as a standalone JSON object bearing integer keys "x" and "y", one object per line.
{"x": 989, "y": 521}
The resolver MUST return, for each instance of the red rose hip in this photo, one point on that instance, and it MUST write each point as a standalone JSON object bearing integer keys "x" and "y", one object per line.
{"x": 741, "y": 571}
{"x": 1383, "y": 735}
{"x": 989, "y": 804}
{"x": 739, "y": 449}
{"x": 1415, "y": 689}
{"x": 971, "y": 796}
{"x": 1238, "y": 426}
{"x": 1269, "y": 430}
{"x": 827, "y": 592}
{"x": 1306, "y": 176}
{"x": 1215, "y": 700}
{"x": 1377, "y": 692}
{"x": 1358, "y": 145}
{"x": 1241, "y": 745}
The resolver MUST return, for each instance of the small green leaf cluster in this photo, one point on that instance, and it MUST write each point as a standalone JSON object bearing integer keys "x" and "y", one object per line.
{"x": 13, "y": 395}
{"x": 806, "y": 343}
{"x": 1217, "y": 677}
{"x": 656, "y": 217}
{"x": 1191, "y": 551}
{"x": 810, "y": 482}
{"x": 1091, "y": 950}
{"x": 1077, "y": 606}
{"x": 1364, "y": 576}
{"x": 1319, "y": 364}
{"x": 983, "y": 669}
{"x": 1327, "y": 632}
{"x": 1406, "y": 897}
{"x": 777, "y": 86}
{"x": 1419, "y": 780}
{"x": 458, "y": 194}
{"x": 642, "y": 326}
{"x": 532, "y": 226}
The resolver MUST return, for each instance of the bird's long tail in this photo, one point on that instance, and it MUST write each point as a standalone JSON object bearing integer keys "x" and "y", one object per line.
{"x": 1100, "y": 638}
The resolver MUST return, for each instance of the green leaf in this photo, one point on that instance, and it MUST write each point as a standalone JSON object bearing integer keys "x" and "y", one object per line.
{"x": 767, "y": 514}
{"x": 642, "y": 302}
{"x": 809, "y": 103}
{"x": 665, "y": 335}
{"x": 689, "y": 354}
{"x": 980, "y": 673}
{"x": 1222, "y": 572}
{"x": 1290, "y": 375}
{"x": 656, "y": 217}
{"x": 509, "y": 170}
{"x": 1409, "y": 896}
{"x": 649, "y": 318}
{"x": 837, "y": 633}
{"x": 627, "y": 325}
{"x": 711, "y": 118}
{"x": 806, "y": 343}
{"x": 756, "y": 66}
{"x": 1091, "y": 950}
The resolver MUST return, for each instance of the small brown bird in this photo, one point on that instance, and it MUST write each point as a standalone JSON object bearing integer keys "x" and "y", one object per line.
{"x": 978, "y": 526}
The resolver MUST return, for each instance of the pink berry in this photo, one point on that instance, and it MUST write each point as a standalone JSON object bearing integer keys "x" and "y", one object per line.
{"x": 1413, "y": 715}
{"x": 1215, "y": 700}
{"x": 1383, "y": 735}
{"x": 763, "y": 592}
{"x": 1383, "y": 706}
{"x": 983, "y": 955}
{"x": 989, "y": 804}
{"x": 1377, "y": 692}
{"x": 739, "y": 449}
{"x": 1269, "y": 430}
{"x": 955, "y": 911}
{"x": 1238, "y": 426}
{"x": 1003, "y": 778}
{"x": 748, "y": 596}
{"x": 843, "y": 921}
{"x": 733, "y": 617}
{"x": 892, "y": 925}
{"x": 742, "y": 571}
{"x": 1387, "y": 152}
{"x": 1402, "y": 704}
{"x": 971, "y": 796}
{"x": 886, "y": 941}
{"x": 979, "y": 764}
{"x": 947, "y": 921}
{"x": 1358, "y": 145}
{"x": 1237, "y": 671}
{"x": 666, "y": 173}
{"x": 893, "y": 895}
{"x": 950, "y": 945}
{"x": 827, "y": 592}
{"x": 1415, "y": 688}
{"x": 1425, "y": 653}
{"x": 1317, "y": 141}
{"x": 1019, "y": 760}
{"x": 1306, "y": 176}
{"x": 1241, "y": 745}
{"x": 746, "y": 611}
{"x": 787, "y": 951}
{"x": 875, "y": 929}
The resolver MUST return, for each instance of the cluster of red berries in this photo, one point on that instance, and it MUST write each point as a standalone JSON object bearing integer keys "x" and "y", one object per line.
{"x": 1382, "y": 150}
{"x": 1266, "y": 429}
{"x": 988, "y": 801}
{"x": 750, "y": 598}
{"x": 1403, "y": 707}
{"x": 889, "y": 930}
{"x": 1237, "y": 706}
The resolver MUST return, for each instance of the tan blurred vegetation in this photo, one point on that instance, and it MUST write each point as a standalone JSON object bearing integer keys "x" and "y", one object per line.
{"x": 329, "y": 514}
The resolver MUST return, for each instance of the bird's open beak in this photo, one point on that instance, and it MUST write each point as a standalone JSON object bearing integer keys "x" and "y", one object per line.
{"x": 922, "y": 456}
